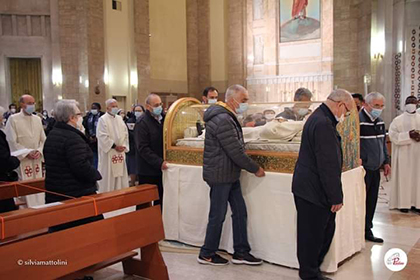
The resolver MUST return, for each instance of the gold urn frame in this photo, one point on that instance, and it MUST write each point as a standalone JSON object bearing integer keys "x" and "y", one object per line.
{"x": 282, "y": 162}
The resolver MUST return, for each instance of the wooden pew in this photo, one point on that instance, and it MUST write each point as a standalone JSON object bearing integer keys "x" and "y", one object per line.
{"x": 81, "y": 250}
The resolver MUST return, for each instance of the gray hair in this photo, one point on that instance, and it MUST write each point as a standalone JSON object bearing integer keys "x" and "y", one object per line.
{"x": 65, "y": 109}
{"x": 149, "y": 98}
{"x": 110, "y": 101}
{"x": 302, "y": 92}
{"x": 233, "y": 91}
{"x": 340, "y": 95}
{"x": 373, "y": 96}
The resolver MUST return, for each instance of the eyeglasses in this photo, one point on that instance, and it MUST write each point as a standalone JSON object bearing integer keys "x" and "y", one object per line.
{"x": 348, "y": 112}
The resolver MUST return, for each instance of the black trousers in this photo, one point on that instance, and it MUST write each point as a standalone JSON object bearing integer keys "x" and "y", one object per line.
{"x": 153, "y": 180}
{"x": 7, "y": 205}
{"x": 315, "y": 231}
{"x": 372, "y": 181}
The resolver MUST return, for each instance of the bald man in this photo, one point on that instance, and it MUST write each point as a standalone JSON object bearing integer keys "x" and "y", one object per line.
{"x": 25, "y": 133}
{"x": 112, "y": 135}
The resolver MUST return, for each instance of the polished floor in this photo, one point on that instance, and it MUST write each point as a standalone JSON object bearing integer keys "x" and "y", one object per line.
{"x": 399, "y": 230}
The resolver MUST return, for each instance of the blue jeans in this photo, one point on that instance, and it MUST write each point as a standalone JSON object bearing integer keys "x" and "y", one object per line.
{"x": 220, "y": 195}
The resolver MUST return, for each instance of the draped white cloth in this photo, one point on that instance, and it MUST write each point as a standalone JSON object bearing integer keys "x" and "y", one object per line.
{"x": 111, "y": 164}
{"x": 405, "y": 183}
{"x": 271, "y": 214}
{"x": 26, "y": 132}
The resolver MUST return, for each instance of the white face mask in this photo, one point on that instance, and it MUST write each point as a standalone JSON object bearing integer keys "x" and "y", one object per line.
{"x": 80, "y": 125}
{"x": 13, "y": 110}
{"x": 212, "y": 101}
{"x": 410, "y": 108}
{"x": 138, "y": 114}
{"x": 340, "y": 119}
{"x": 270, "y": 116}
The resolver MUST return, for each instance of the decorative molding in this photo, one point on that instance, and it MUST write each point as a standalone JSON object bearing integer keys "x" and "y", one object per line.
{"x": 274, "y": 80}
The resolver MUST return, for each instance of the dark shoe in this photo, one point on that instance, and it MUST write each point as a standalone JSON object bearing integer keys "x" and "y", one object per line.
{"x": 372, "y": 238}
{"x": 215, "y": 260}
{"x": 404, "y": 210}
{"x": 246, "y": 259}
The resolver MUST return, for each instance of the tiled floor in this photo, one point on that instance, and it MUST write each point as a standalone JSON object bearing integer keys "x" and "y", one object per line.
{"x": 398, "y": 230}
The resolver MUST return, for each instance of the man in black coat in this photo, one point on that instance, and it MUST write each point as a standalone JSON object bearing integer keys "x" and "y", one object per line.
{"x": 90, "y": 122}
{"x": 148, "y": 136}
{"x": 224, "y": 158}
{"x": 7, "y": 164}
{"x": 316, "y": 183}
{"x": 68, "y": 160}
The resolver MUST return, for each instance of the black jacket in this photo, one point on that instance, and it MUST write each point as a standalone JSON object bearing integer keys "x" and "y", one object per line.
{"x": 317, "y": 175}
{"x": 224, "y": 147}
{"x": 68, "y": 164}
{"x": 132, "y": 151}
{"x": 91, "y": 136}
{"x": 373, "y": 150}
{"x": 7, "y": 162}
{"x": 148, "y": 135}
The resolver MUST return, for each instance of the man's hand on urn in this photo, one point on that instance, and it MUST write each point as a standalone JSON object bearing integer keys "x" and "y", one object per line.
{"x": 164, "y": 165}
{"x": 260, "y": 172}
{"x": 335, "y": 208}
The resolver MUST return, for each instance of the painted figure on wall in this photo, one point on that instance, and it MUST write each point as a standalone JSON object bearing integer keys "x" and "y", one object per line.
{"x": 299, "y": 9}
{"x": 300, "y": 20}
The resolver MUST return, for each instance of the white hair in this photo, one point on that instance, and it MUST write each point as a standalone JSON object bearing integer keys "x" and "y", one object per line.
{"x": 233, "y": 91}
{"x": 110, "y": 101}
{"x": 65, "y": 109}
{"x": 373, "y": 96}
{"x": 340, "y": 95}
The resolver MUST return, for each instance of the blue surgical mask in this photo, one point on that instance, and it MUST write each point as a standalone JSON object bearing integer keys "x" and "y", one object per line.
{"x": 138, "y": 114}
{"x": 94, "y": 111}
{"x": 303, "y": 112}
{"x": 243, "y": 107}
{"x": 157, "y": 111}
{"x": 376, "y": 113}
{"x": 212, "y": 101}
{"x": 114, "y": 110}
{"x": 30, "y": 109}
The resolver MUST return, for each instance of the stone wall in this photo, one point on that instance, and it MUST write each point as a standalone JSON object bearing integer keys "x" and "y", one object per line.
{"x": 352, "y": 33}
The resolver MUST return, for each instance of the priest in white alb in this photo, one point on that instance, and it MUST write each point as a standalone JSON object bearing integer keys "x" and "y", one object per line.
{"x": 404, "y": 133}
{"x": 26, "y": 137}
{"x": 112, "y": 135}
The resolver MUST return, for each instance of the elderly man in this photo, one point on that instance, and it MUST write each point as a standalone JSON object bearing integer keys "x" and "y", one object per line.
{"x": 224, "y": 158}
{"x": 25, "y": 133}
{"x": 405, "y": 137}
{"x": 112, "y": 135}
{"x": 316, "y": 182}
{"x": 210, "y": 95}
{"x": 374, "y": 155}
{"x": 148, "y": 136}
{"x": 300, "y": 110}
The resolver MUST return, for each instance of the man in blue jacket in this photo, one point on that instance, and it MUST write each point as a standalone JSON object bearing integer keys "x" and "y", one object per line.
{"x": 374, "y": 155}
{"x": 316, "y": 182}
{"x": 224, "y": 158}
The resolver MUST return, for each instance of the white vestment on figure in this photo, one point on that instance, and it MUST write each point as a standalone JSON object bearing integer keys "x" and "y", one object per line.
{"x": 112, "y": 166}
{"x": 405, "y": 182}
{"x": 25, "y": 133}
